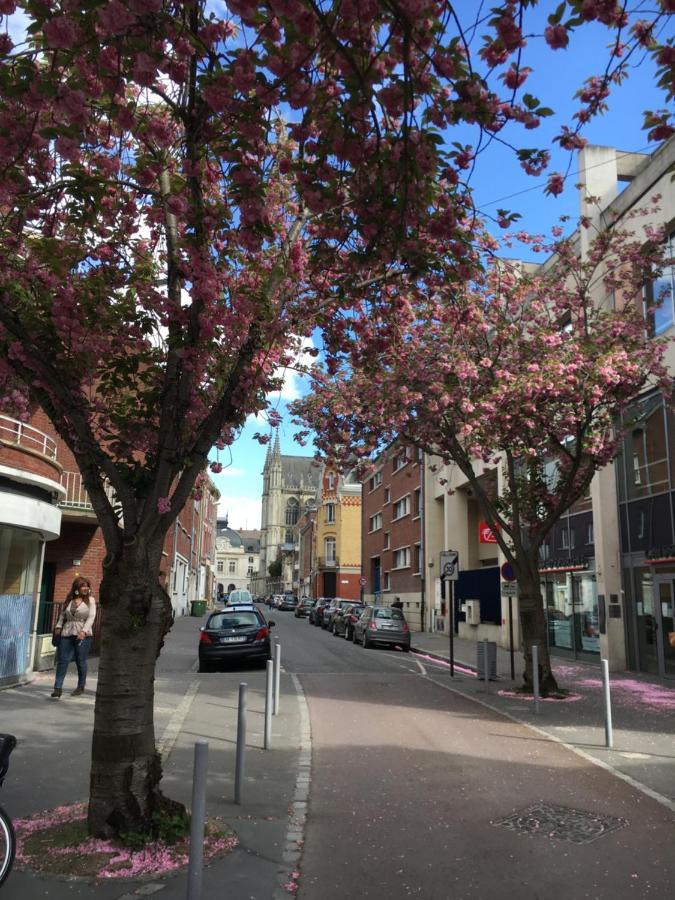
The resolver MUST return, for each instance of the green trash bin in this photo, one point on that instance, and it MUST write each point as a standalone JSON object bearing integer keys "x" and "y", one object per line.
{"x": 198, "y": 607}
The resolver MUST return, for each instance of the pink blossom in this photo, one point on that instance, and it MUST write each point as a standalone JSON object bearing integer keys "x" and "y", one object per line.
{"x": 556, "y": 36}
{"x": 61, "y": 32}
{"x": 163, "y": 505}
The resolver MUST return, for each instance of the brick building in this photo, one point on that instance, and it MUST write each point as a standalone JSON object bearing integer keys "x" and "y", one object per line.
{"x": 49, "y": 535}
{"x": 392, "y": 531}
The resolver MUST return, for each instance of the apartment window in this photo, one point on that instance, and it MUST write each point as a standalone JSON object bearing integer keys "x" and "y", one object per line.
{"x": 661, "y": 292}
{"x": 233, "y": 566}
{"x": 387, "y": 495}
{"x": 375, "y": 522}
{"x": 387, "y": 537}
{"x": 250, "y": 559}
{"x": 402, "y": 558}
{"x": 590, "y": 536}
{"x": 220, "y": 565}
{"x": 250, "y": 570}
{"x": 375, "y": 481}
{"x": 417, "y": 502}
{"x": 330, "y": 513}
{"x": 329, "y": 547}
{"x": 386, "y": 583}
{"x": 418, "y": 558}
{"x": 330, "y": 481}
{"x": 400, "y": 460}
{"x": 402, "y": 507}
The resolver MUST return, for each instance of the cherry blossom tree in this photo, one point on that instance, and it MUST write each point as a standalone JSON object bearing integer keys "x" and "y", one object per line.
{"x": 524, "y": 371}
{"x": 184, "y": 195}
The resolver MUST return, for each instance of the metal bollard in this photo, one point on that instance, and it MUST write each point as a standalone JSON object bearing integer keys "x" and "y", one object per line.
{"x": 609, "y": 734}
{"x": 535, "y": 676}
{"x": 486, "y": 666}
{"x": 196, "y": 860}
{"x": 241, "y": 743}
{"x": 269, "y": 702}
{"x": 277, "y": 675}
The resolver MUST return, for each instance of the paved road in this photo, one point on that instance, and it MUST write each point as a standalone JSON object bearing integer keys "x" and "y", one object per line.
{"x": 409, "y": 780}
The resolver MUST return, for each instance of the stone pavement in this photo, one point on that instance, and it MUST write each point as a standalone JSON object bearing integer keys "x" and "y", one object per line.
{"x": 643, "y": 710}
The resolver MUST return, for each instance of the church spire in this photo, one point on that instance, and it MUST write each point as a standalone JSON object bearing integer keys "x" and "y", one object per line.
{"x": 276, "y": 451}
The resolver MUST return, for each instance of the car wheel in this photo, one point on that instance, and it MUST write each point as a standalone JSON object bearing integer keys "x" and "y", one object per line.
{"x": 333, "y": 629}
{"x": 406, "y": 648}
{"x": 366, "y": 642}
{"x": 205, "y": 667}
{"x": 347, "y": 635}
{"x": 354, "y": 638}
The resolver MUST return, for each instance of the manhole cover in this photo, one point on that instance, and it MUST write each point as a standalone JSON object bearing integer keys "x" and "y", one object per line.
{"x": 574, "y": 825}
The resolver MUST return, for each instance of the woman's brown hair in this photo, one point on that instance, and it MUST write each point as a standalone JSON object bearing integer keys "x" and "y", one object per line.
{"x": 77, "y": 584}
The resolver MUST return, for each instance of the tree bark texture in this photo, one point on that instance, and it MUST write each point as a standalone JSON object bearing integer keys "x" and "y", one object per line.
{"x": 126, "y": 769}
{"x": 533, "y": 628}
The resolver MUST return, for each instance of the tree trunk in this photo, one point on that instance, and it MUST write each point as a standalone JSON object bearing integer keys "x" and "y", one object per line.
{"x": 533, "y": 628}
{"x": 126, "y": 769}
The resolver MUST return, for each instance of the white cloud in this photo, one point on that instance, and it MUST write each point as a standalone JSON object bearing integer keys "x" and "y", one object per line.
{"x": 241, "y": 512}
{"x": 290, "y": 389}
{"x": 231, "y": 472}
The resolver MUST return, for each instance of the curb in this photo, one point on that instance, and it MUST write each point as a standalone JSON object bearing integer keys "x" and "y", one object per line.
{"x": 295, "y": 833}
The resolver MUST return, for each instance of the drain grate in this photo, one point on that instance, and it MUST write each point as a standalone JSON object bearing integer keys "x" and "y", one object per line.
{"x": 574, "y": 825}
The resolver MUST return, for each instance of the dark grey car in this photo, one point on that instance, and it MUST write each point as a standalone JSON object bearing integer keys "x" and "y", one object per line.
{"x": 235, "y": 634}
{"x": 382, "y": 625}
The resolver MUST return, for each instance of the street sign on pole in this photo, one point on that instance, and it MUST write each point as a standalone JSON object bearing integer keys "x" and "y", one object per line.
{"x": 362, "y": 581}
{"x": 450, "y": 565}
{"x": 509, "y": 589}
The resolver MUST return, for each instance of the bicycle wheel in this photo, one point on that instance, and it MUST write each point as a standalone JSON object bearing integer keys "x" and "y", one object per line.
{"x": 7, "y": 845}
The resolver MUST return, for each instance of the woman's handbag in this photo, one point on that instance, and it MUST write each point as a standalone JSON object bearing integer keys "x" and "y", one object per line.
{"x": 56, "y": 637}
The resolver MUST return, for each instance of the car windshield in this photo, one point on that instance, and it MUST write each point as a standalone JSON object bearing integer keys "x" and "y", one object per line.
{"x": 387, "y": 613}
{"x": 233, "y": 620}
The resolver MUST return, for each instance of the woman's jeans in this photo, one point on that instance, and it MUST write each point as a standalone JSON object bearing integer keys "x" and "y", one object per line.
{"x": 70, "y": 649}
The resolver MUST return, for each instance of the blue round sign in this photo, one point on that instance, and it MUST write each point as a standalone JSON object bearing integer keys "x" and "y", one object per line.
{"x": 507, "y": 572}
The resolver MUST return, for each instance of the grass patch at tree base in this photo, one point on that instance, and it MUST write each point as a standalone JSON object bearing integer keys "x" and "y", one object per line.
{"x": 56, "y": 842}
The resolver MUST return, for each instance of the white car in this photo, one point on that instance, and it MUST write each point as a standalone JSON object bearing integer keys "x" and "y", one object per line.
{"x": 239, "y": 597}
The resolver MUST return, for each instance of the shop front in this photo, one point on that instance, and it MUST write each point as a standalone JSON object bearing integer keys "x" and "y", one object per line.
{"x": 571, "y": 602}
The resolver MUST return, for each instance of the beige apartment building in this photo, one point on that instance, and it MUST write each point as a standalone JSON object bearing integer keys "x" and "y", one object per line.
{"x": 608, "y": 567}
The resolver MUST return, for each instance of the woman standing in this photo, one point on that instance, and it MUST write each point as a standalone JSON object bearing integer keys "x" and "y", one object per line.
{"x": 75, "y": 627}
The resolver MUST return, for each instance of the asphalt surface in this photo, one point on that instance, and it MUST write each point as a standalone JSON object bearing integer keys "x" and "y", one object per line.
{"x": 410, "y": 774}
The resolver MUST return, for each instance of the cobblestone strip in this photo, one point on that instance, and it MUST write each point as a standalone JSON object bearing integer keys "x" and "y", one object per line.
{"x": 295, "y": 834}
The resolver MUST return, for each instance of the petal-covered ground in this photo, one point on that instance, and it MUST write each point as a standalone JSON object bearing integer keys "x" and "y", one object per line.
{"x": 56, "y": 841}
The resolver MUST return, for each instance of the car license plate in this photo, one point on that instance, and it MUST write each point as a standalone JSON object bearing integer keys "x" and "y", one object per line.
{"x": 233, "y": 640}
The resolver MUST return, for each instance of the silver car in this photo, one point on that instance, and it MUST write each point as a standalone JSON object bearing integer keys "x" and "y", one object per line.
{"x": 382, "y": 625}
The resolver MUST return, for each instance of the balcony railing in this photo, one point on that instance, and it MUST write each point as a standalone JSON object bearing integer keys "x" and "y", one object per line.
{"x": 328, "y": 562}
{"x": 14, "y": 432}
{"x": 76, "y": 495}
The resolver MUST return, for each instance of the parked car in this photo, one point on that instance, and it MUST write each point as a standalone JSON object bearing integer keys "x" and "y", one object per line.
{"x": 304, "y": 607}
{"x": 330, "y": 613}
{"x": 382, "y": 625}
{"x": 288, "y": 602}
{"x": 345, "y": 619}
{"x": 237, "y": 633}
{"x": 316, "y": 614}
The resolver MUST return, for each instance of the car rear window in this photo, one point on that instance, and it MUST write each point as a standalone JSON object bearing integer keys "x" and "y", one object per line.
{"x": 233, "y": 620}
{"x": 386, "y": 613}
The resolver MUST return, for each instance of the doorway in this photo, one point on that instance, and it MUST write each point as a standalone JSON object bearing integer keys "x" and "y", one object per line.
{"x": 656, "y": 624}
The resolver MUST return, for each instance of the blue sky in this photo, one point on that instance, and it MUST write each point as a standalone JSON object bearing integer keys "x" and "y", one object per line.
{"x": 497, "y": 182}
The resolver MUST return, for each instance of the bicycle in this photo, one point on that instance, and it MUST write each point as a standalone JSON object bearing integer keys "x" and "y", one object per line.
{"x": 7, "y": 835}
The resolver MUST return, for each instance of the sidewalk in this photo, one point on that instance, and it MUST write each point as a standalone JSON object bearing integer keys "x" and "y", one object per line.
{"x": 50, "y": 768}
{"x": 643, "y": 710}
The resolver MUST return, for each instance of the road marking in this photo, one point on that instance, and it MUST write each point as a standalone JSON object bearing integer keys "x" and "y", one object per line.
{"x": 166, "y": 743}
{"x": 643, "y": 788}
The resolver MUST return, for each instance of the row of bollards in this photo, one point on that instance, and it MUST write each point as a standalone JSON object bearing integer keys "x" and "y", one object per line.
{"x": 198, "y": 821}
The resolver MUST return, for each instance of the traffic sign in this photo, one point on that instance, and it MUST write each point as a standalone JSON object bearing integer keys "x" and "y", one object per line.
{"x": 509, "y": 589}
{"x": 507, "y": 572}
{"x": 362, "y": 581}
{"x": 450, "y": 565}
